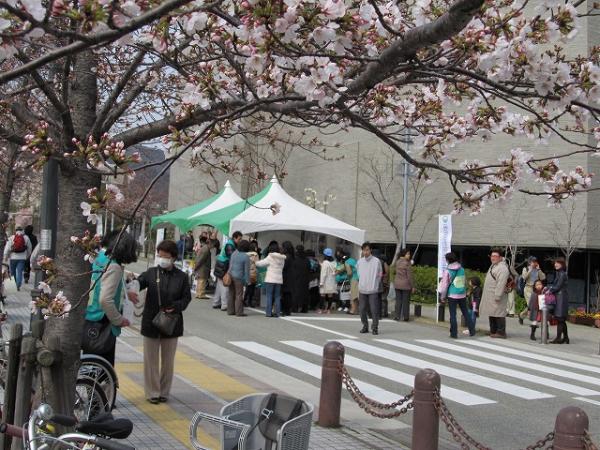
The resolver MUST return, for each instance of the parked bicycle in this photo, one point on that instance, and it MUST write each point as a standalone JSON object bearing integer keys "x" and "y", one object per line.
{"x": 97, "y": 434}
{"x": 96, "y": 385}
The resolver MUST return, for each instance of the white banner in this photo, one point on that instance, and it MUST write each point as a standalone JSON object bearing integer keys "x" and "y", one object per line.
{"x": 444, "y": 241}
{"x": 160, "y": 236}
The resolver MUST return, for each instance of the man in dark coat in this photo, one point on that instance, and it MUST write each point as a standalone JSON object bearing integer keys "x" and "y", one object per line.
{"x": 300, "y": 267}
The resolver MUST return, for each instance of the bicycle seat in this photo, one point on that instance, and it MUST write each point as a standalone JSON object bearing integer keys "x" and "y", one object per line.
{"x": 107, "y": 426}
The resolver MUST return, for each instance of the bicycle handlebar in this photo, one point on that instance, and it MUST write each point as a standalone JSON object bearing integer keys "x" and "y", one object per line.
{"x": 11, "y": 430}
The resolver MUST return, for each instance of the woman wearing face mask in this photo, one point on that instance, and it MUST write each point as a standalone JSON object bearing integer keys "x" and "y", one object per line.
{"x": 168, "y": 289}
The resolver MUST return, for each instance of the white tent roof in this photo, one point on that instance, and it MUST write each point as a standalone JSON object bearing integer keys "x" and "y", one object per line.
{"x": 227, "y": 197}
{"x": 293, "y": 215}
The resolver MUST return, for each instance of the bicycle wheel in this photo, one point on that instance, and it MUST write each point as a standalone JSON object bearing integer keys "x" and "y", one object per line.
{"x": 101, "y": 372}
{"x": 90, "y": 400}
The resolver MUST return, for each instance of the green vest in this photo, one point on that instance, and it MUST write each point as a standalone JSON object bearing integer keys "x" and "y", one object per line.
{"x": 458, "y": 285}
{"x": 94, "y": 311}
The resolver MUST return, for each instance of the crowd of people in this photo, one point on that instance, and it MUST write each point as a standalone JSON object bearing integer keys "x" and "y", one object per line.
{"x": 296, "y": 280}
{"x": 500, "y": 283}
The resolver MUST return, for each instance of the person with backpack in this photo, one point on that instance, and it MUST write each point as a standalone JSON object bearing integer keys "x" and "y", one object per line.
{"x": 529, "y": 276}
{"x": 495, "y": 294}
{"x": 454, "y": 292}
{"x": 16, "y": 253}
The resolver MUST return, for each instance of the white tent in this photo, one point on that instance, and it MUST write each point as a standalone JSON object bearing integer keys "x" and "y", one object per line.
{"x": 293, "y": 215}
{"x": 227, "y": 197}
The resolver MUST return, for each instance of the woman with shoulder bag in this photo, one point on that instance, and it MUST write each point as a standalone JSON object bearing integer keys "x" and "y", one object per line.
{"x": 168, "y": 295}
{"x": 103, "y": 316}
{"x": 558, "y": 287}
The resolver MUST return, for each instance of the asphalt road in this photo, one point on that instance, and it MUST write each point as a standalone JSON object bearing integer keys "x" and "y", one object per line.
{"x": 505, "y": 394}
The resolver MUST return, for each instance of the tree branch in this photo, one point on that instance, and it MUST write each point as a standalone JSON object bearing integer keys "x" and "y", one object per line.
{"x": 102, "y": 37}
{"x": 404, "y": 49}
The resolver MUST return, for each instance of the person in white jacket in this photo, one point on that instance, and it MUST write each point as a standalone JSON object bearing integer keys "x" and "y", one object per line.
{"x": 327, "y": 283}
{"x": 274, "y": 262}
{"x": 370, "y": 272}
{"x": 17, "y": 252}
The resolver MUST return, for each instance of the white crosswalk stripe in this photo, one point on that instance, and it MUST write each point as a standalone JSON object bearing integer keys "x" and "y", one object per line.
{"x": 313, "y": 370}
{"x": 495, "y": 368}
{"x": 449, "y": 393}
{"x": 546, "y": 369}
{"x": 463, "y": 362}
{"x": 490, "y": 383}
{"x": 535, "y": 356}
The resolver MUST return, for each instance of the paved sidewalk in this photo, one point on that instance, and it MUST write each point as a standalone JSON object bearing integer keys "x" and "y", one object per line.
{"x": 200, "y": 383}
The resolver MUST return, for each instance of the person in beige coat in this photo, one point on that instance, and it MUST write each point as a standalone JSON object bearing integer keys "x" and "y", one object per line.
{"x": 495, "y": 298}
{"x": 404, "y": 285}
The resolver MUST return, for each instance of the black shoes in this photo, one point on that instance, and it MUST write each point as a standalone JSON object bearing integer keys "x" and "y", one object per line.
{"x": 364, "y": 330}
{"x": 375, "y": 331}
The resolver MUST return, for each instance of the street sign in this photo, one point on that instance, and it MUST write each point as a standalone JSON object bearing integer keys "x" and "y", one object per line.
{"x": 46, "y": 240}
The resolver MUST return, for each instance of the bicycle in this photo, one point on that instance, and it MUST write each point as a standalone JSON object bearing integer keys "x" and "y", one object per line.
{"x": 88, "y": 435}
{"x": 96, "y": 385}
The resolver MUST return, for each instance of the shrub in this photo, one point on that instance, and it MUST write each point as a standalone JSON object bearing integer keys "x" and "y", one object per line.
{"x": 425, "y": 278}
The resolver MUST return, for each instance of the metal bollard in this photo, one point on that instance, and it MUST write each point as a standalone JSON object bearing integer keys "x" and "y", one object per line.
{"x": 417, "y": 311}
{"x": 569, "y": 428}
{"x": 426, "y": 421}
{"x": 331, "y": 385}
{"x": 544, "y": 326}
{"x": 441, "y": 312}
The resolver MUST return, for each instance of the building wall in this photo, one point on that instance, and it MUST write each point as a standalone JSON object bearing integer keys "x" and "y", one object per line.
{"x": 527, "y": 221}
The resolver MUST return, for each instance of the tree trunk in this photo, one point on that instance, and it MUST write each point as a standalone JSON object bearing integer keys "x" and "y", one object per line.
{"x": 5, "y": 197}
{"x": 74, "y": 278}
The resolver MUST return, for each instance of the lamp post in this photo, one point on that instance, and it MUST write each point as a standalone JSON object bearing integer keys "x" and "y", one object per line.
{"x": 405, "y": 174}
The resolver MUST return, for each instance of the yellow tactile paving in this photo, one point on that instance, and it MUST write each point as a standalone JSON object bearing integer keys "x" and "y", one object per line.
{"x": 166, "y": 417}
{"x": 209, "y": 379}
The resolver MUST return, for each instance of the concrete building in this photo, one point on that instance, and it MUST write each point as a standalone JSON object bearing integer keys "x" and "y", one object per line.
{"x": 361, "y": 172}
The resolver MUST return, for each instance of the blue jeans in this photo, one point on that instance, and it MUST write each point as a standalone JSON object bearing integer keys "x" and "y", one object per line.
{"x": 473, "y": 316}
{"x": 16, "y": 269}
{"x": 273, "y": 294}
{"x": 462, "y": 304}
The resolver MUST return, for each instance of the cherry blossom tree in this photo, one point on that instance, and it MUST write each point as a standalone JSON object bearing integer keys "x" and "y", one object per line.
{"x": 106, "y": 75}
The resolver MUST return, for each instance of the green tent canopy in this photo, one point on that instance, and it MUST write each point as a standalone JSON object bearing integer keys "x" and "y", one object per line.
{"x": 179, "y": 218}
{"x": 220, "y": 218}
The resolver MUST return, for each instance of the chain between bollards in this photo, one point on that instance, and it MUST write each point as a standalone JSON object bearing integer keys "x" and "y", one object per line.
{"x": 570, "y": 431}
{"x": 371, "y": 406}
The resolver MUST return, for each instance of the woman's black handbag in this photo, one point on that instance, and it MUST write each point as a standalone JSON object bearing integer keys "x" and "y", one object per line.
{"x": 97, "y": 337}
{"x": 163, "y": 321}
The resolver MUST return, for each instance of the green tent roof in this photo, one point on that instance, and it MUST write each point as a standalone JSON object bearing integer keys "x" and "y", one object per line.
{"x": 220, "y": 218}
{"x": 179, "y": 217}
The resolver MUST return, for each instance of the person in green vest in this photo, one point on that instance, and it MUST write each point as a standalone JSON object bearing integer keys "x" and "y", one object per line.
{"x": 221, "y": 296}
{"x": 453, "y": 289}
{"x": 108, "y": 289}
